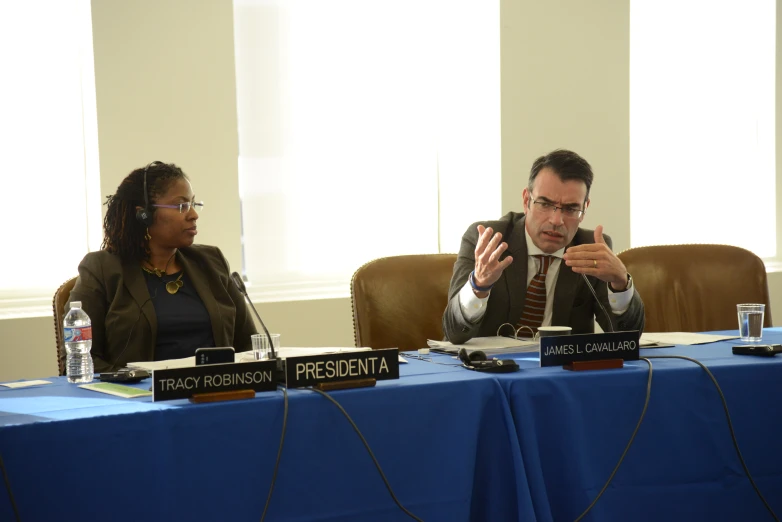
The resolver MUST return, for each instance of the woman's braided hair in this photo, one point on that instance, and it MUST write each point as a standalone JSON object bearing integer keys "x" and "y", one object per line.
{"x": 123, "y": 234}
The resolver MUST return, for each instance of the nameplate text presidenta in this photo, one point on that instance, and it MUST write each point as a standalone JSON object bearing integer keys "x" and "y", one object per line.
{"x": 334, "y": 367}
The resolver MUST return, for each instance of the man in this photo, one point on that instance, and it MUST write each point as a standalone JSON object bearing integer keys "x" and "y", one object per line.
{"x": 536, "y": 276}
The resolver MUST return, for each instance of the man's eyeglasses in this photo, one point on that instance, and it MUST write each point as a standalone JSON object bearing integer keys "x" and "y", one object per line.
{"x": 550, "y": 208}
{"x": 184, "y": 208}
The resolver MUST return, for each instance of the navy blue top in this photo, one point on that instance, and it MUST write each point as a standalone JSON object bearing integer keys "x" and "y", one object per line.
{"x": 183, "y": 323}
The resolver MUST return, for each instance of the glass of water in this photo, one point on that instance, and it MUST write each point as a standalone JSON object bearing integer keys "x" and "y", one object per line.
{"x": 751, "y": 321}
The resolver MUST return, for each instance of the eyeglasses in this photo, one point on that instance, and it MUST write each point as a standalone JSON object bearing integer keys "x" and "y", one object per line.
{"x": 184, "y": 208}
{"x": 550, "y": 208}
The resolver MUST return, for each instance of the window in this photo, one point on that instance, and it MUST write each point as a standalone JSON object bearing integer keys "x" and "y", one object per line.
{"x": 702, "y": 123}
{"x": 366, "y": 129}
{"x": 48, "y": 130}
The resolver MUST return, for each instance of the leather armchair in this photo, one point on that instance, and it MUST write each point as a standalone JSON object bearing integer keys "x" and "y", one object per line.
{"x": 58, "y": 307}
{"x": 695, "y": 288}
{"x": 398, "y": 302}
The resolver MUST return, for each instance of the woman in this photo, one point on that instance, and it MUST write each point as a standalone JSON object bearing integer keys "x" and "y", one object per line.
{"x": 150, "y": 293}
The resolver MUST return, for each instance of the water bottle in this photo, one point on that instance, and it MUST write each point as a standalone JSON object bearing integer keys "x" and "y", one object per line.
{"x": 77, "y": 332}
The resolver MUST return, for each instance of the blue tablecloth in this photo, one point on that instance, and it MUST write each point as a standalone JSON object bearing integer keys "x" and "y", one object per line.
{"x": 573, "y": 426}
{"x": 537, "y": 444}
{"x": 444, "y": 437}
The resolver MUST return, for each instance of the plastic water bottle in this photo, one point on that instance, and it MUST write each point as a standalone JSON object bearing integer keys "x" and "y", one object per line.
{"x": 77, "y": 332}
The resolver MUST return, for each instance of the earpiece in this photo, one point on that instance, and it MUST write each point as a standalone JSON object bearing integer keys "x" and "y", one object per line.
{"x": 144, "y": 215}
{"x": 469, "y": 359}
{"x": 477, "y": 355}
{"x": 464, "y": 357}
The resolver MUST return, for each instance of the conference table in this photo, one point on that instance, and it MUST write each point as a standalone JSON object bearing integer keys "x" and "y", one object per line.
{"x": 537, "y": 444}
{"x": 572, "y": 428}
{"x": 444, "y": 439}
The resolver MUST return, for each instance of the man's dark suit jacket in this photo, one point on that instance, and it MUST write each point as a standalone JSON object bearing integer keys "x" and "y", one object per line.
{"x": 114, "y": 294}
{"x": 574, "y": 305}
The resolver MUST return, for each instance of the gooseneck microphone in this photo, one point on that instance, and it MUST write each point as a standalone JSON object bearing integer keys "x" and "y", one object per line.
{"x": 237, "y": 279}
{"x": 603, "y": 308}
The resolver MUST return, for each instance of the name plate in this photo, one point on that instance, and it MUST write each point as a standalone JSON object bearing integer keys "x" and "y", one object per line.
{"x": 182, "y": 383}
{"x": 563, "y": 349}
{"x": 310, "y": 370}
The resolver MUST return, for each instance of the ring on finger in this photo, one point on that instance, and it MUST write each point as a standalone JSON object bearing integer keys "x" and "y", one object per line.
{"x": 595, "y": 262}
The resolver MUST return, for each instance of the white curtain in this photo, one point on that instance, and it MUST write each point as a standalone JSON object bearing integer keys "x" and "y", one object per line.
{"x": 366, "y": 129}
{"x": 702, "y": 123}
{"x": 49, "y": 157}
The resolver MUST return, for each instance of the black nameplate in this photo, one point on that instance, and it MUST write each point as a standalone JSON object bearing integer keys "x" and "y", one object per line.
{"x": 181, "y": 383}
{"x": 332, "y": 367}
{"x": 562, "y": 349}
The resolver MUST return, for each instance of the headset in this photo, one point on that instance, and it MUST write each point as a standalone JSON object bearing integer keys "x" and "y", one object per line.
{"x": 478, "y": 361}
{"x": 144, "y": 215}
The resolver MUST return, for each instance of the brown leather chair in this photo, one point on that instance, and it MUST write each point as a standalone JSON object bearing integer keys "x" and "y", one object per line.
{"x": 695, "y": 288}
{"x": 398, "y": 302}
{"x": 58, "y": 306}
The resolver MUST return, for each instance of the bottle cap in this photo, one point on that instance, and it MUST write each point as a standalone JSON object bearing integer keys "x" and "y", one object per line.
{"x": 75, "y": 304}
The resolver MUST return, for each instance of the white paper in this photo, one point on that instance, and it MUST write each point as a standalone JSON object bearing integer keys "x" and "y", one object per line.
{"x": 24, "y": 384}
{"x": 681, "y": 338}
{"x": 282, "y": 353}
{"x": 187, "y": 362}
{"x": 301, "y": 351}
{"x": 489, "y": 345}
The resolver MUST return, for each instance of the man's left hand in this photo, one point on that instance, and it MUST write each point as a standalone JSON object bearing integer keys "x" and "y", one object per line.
{"x": 598, "y": 260}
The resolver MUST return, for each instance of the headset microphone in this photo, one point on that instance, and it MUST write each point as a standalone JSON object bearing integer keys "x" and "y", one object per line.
{"x": 144, "y": 215}
{"x": 477, "y": 360}
{"x": 237, "y": 280}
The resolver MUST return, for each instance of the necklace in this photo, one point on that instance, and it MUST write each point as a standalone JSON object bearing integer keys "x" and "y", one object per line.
{"x": 172, "y": 286}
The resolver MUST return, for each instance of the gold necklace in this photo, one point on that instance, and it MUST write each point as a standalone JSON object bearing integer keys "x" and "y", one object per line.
{"x": 172, "y": 286}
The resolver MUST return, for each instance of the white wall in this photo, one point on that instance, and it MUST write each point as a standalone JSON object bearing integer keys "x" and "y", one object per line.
{"x": 166, "y": 90}
{"x": 566, "y": 84}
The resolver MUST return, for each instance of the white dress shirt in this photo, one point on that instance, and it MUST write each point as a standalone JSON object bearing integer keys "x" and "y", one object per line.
{"x": 473, "y": 307}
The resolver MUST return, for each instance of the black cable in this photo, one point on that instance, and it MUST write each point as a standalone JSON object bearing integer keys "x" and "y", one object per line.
{"x": 369, "y": 450}
{"x": 629, "y": 443}
{"x": 730, "y": 423}
{"x": 8, "y": 488}
{"x": 610, "y": 323}
{"x": 279, "y": 452}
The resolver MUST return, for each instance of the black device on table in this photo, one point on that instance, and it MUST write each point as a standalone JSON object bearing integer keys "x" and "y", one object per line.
{"x": 216, "y": 355}
{"x": 125, "y": 375}
{"x": 763, "y": 350}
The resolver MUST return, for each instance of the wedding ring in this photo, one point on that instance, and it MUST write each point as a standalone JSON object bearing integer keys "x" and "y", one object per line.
{"x": 595, "y": 262}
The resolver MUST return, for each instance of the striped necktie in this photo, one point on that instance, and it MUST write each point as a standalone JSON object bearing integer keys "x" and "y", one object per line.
{"x": 535, "y": 303}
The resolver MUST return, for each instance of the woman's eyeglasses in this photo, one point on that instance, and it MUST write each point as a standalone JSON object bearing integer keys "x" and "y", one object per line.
{"x": 184, "y": 208}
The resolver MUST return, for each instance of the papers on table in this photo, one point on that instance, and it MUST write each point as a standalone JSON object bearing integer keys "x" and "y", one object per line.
{"x": 282, "y": 353}
{"x": 126, "y": 392}
{"x": 656, "y": 340}
{"x": 297, "y": 351}
{"x": 187, "y": 362}
{"x": 489, "y": 345}
{"x": 24, "y": 384}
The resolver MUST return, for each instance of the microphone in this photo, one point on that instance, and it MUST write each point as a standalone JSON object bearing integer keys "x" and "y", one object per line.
{"x": 237, "y": 279}
{"x": 603, "y": 308}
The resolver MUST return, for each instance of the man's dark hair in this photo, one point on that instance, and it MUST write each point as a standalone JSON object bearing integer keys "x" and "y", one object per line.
{"x": 566, "y": 165}
{"x": 123, "y": 234}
